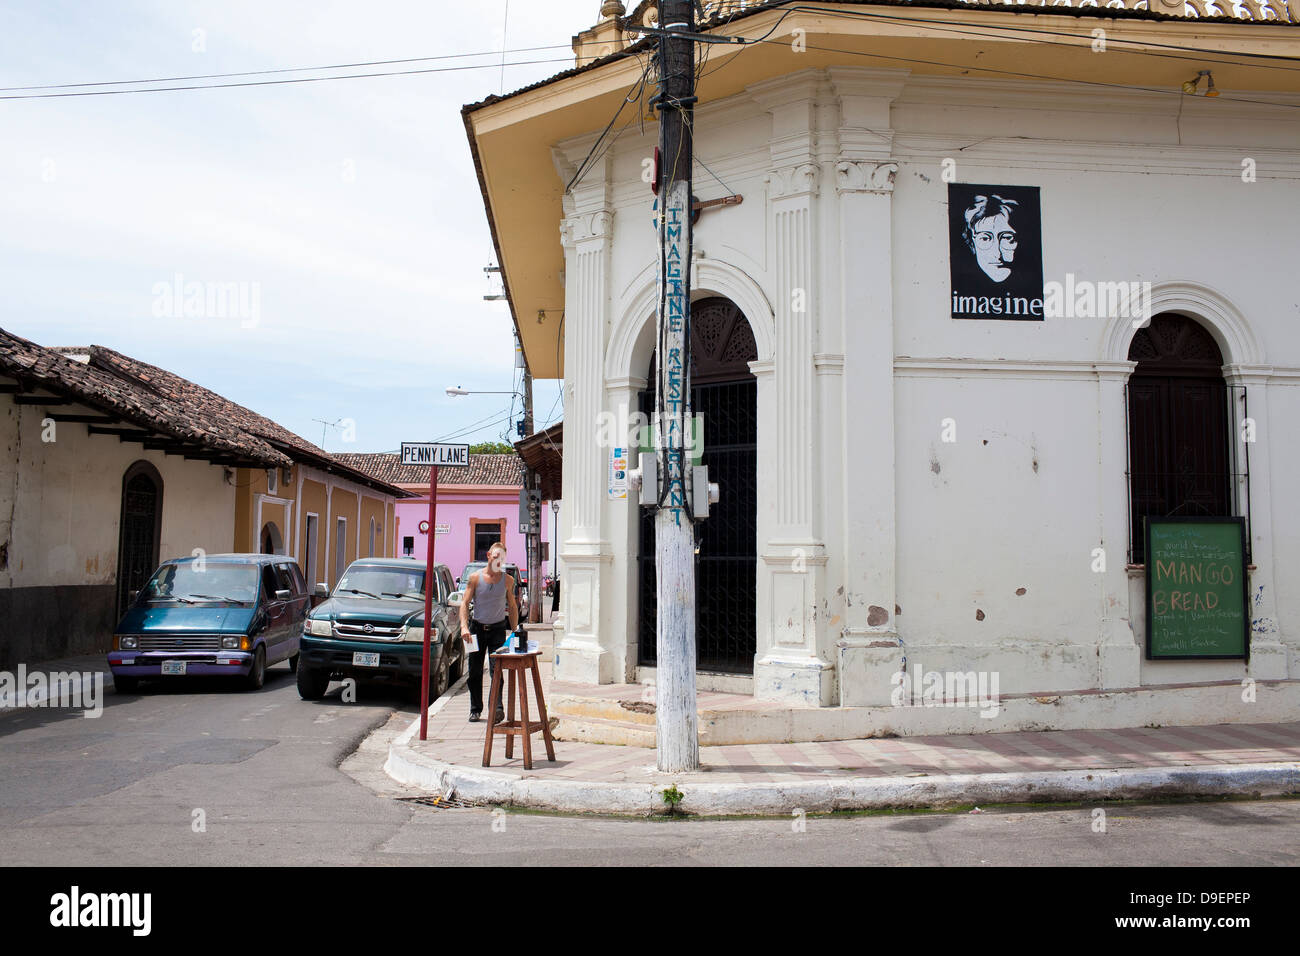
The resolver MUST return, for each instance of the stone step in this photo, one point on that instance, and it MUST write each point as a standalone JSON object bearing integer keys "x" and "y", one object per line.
{"x": 601, "y": 708}
{"x": 594, "y": 730}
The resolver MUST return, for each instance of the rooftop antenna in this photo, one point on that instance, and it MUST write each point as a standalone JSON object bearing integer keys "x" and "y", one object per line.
{"x": 326, "y": 425}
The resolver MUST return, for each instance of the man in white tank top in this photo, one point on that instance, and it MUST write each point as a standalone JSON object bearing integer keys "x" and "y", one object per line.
{"x": 492, "y": 592}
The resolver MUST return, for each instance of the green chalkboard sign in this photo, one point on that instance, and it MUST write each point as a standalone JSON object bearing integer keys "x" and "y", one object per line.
{"x": 1197, "y": 595}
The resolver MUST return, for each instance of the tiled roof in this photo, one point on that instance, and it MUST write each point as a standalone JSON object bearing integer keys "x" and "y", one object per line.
{"x": 154, "y": 399}
{"x": 193, "y": 396}
{"x": 158, "y": 410}
{"x": 507, "y": 470}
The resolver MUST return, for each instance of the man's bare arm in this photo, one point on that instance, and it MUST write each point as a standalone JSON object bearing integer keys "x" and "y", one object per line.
{"x": 511, "y": 606}
{"x": 466, "y": 596}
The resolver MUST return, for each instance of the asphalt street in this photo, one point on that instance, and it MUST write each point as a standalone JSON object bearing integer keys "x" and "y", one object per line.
{"x": 203, "y": 773}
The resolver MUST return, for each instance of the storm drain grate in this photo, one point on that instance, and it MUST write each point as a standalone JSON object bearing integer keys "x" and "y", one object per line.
{"x": 452, "y": 802}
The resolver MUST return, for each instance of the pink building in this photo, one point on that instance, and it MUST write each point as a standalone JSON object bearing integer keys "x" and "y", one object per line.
{"x": 476, "y": 506}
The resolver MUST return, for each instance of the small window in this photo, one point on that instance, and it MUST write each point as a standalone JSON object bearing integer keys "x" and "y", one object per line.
{"x": 284, "y": 578}
{"x": 485, "y": 535}
{"x": 408, "y": 546}
{"x": 272, "y": 481}
{"x": 270, "y": 583}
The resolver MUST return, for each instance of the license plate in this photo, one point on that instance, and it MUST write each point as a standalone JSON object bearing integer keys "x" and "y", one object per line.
{"x": 360, "y": 659}
{"x": 173, "y": 667}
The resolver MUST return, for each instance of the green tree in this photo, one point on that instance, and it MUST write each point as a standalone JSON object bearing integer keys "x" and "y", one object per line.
{"x": 492, "y": 448}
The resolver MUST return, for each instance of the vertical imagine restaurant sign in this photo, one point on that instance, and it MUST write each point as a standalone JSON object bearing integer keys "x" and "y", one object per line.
{"x": 995, "y": 252}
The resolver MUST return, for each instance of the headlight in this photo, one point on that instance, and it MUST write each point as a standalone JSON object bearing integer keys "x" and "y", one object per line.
{"x": 415, "y": 632}
{"x": 319, "y": 628}
{"x": 230, "y": 642}
{"x": 128, "y": 642}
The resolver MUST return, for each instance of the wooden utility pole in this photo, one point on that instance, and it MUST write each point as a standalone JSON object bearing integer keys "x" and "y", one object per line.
{"x": 676, "y": 738}
{"x": 534, "y": 537}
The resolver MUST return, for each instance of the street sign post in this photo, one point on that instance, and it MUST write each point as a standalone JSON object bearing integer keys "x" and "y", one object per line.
{"x": 435, "y": 456}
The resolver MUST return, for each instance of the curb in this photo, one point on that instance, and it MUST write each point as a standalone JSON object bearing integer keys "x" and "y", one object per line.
{"x": 855, "y": 793}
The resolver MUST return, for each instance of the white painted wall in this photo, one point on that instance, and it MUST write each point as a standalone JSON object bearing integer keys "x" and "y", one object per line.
{"x": 1135, "y": 187}
{"x": 65, "y": 498}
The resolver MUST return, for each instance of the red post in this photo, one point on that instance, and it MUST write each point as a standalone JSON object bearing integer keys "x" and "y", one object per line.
{"x": 429, "y": 585}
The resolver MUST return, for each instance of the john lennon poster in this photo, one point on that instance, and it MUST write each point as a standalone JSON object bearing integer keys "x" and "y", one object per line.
{"x": 995, "y": 252}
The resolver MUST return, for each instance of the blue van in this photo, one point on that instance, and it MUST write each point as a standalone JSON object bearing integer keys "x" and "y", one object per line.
{"x": 219, "y": 614}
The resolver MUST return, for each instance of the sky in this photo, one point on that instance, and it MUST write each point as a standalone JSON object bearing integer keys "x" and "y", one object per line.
{"x": 334, "y": 231}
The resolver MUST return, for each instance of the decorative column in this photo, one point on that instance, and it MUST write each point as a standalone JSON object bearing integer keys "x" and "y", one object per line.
{"x": 865, "y": 634}
{"x": 1268, "y": 655}
{"x": 619, "y": 602}
{"x": 583, "y": 652}
{"x": 793, "y": 662}
{"x": 1119, "y": 589}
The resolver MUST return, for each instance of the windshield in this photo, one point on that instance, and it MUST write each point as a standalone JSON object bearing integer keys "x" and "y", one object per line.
{"x": 197, "y": 582}
{"x": 376, "y": 581}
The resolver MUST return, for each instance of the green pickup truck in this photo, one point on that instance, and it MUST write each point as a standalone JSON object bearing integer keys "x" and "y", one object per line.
{"x": 372, "y": 628}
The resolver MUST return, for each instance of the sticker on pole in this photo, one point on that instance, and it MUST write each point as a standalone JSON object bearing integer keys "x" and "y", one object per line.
{"x": 431, "y": 453}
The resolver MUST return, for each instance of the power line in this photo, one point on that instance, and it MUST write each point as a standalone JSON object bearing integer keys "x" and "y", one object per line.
{"x": 505, "y": 23}
{"x": 287, "y": 69}
{"x": 302, "y": 69}
{"x": 634, "y": 93}
{"x": 303, "y": 79}
{"x": 471, "y": 429}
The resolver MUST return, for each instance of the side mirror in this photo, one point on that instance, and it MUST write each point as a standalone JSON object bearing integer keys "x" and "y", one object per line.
{"x": 283, "y": 595}
{"x": 321, "y": 590}
{"x": 456, "y": 598}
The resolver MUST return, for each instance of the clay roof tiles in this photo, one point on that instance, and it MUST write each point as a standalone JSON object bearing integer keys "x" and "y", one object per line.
{"x": 505, "y": 470}
{"x": 153, "y": 399}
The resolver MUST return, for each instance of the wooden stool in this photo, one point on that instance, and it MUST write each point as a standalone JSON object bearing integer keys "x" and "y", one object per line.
{"x": 516, "y": 665}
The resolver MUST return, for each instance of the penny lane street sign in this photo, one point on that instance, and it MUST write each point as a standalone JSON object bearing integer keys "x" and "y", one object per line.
{"x": 435, "y": 456}
{"x": 430, "y": 453}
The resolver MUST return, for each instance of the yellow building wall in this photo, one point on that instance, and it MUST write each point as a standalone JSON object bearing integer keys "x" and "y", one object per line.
{"x": 313, "y": 499}
{"x": 374, "y": 509}
{"x": 343, "y": 504}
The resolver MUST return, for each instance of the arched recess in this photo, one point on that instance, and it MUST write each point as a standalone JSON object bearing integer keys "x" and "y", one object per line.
{"x": 724, "y": 392}
{"x": 631, "y": 341}
{"x": 1211, "y": 308}
{"x": 139, "y": 529}
{"x": 1180, "y": 423}
{"x": 272, "y": 542}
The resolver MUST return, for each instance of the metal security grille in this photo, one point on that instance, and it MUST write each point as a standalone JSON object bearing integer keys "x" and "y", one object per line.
{"x": 725, "y": 564}
{"x": 198, "y": 642}
{"x": 1185, "y": 456}
{"x": 139, "y": 545}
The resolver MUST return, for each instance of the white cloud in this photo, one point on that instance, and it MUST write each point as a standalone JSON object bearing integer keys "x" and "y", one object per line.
{"x": 367, "y": 280}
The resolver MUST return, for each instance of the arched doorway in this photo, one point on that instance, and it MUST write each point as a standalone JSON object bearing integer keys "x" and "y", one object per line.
{"x": 139, "y": 530}
{"x": 725, "y": 392}
{"x": 272, "y": 540}
{"x": 1179, "y": 426}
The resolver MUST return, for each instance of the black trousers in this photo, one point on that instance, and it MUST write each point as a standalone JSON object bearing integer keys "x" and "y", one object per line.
{"x": 491, "y": 637}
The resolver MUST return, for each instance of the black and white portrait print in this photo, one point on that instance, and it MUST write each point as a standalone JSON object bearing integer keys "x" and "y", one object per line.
{"x": 995, "y": 252}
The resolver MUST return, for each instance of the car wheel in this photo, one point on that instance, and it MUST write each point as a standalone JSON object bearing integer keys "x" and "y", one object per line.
{"x": 312, "y": 684}
{"x": 257, "y": 676}
{"x": 126, "y": 685}
{"x": 293, "y": 664}
{"x": 458, "y": 668}
{"x": 440, "y": 680}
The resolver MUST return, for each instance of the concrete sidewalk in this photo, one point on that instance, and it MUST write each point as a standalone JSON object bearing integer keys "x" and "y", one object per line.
{"x": 1250, "y": 759}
